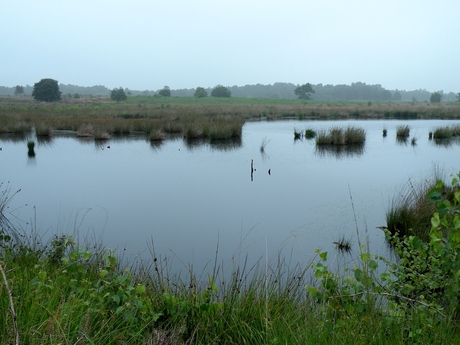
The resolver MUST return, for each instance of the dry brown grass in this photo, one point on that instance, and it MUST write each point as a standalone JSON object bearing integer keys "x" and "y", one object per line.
{"x": 157, "y": 135}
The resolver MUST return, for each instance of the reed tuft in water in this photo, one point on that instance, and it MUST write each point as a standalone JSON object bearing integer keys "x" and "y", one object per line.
{"x": 402, "y": 131}
{"x": 310, "y": 133}
{"x": 31, "y": 148}
{"x": 339, "y": 136}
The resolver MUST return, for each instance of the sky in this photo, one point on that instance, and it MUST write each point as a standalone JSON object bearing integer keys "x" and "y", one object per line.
{"x": 147, "y": 44}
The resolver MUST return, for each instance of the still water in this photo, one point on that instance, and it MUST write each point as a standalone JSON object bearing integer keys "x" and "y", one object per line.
{"x": 189, "y": 200}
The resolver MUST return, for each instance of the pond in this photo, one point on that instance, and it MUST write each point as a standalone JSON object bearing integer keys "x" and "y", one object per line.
{"x": 195, "y": 202}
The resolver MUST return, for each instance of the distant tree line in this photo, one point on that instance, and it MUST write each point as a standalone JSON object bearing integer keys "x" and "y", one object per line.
{"x": 355, "y": 92}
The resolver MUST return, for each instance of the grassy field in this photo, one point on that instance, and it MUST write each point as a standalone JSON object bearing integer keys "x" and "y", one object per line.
{"x": 194, "y": 115}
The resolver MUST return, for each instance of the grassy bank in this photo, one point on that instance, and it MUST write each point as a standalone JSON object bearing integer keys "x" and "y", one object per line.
{"x": 410, "y": 211}
{"x": 180, "y": 114}
{"x": 64, "y": 293}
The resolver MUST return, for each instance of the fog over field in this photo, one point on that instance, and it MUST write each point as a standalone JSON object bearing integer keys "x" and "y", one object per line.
{"x": 146, "y": 44}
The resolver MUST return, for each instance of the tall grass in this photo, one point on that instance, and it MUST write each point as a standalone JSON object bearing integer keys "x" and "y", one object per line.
{"x": 71, "y": 294}
{"x": 402, "y": 131}
{"x": 157, "y": 135}
{"x": 446, "y": 132}
{"x": 43, "y": 130}
{"x": 31, "y": 148}
{"x": 410, "y": 211}
{"x": 310, "y": 133}
{"x": 146, "y": 113}
{"x": 339, "y": 136}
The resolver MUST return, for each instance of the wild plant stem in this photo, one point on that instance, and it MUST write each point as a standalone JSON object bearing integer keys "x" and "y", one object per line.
{"x": 354, "y": 215}
{"x": 10, "y": 296}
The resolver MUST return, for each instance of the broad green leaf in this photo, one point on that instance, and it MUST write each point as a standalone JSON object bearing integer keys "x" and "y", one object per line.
{"x": 373, "y": 265}
{"x": 42, "y": 275}
{"x": 116, "y": 298}
{"x": 365, "y": 257}
{"x": 103, "y": 273}
{"x": 323, "y": 256}
{"x": 312, "y": 291}
{"x": 358, "y": 274}
{"x": 140, "y": 289}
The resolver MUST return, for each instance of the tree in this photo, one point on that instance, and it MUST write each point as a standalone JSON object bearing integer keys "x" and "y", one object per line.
{"x": 458, "y": 97}
{"x": 46, "y": 90}
{"x": 304, "y": 91}
{"x": 435, "y": 97}
{"x": 19, "y": 90}
{"x": 118, "y": 95}
{"x": 221, "y": 91}
{"x": 165, "y": 92}
{"x": 397, "y": 96}
{"x": 200, "y": 92}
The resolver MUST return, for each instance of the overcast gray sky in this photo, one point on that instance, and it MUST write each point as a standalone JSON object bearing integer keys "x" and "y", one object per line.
{"x": 146, "y": 44}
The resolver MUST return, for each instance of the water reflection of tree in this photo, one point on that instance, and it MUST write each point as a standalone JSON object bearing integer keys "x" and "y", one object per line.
{"x": 339, "y": 151}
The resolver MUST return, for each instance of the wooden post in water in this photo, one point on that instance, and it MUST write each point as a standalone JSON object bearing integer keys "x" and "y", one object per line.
{"x": 252, "y": 170}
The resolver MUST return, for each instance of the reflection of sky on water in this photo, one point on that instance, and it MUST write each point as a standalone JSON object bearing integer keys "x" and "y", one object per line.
{"x": 192, "y": 199}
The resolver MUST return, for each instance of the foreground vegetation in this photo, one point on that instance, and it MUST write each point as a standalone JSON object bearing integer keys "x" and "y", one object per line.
{"x": 65, "y": 293}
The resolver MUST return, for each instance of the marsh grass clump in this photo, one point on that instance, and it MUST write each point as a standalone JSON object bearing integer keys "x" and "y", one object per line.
{"x": 85, "y": 130}
{"x": 310, "y": 133}
{"x": 157, "y": 135}
{"x": 31, "y": 148}
{"x": 442, "y": 133}
{"x": 217, "y": 129}
{"x": 225, "y": 130}
{"x": 43, "y": 130}
{"x": 413, "y": 141}
{"x": 354, "y": 135}
{"x": 402, "y": 131}
{"x": 384, "y": 132}
{"x": 101, "y": 133}
{"x": 193, "y": 132}
{"x": 339, "y": 136}
{"x": 447, "y": 132}
{"x": 410, "y": 210}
